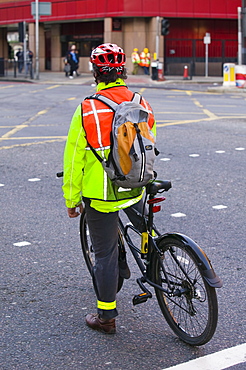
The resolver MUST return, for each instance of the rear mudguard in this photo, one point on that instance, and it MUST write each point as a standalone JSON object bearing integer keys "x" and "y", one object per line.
{"x": 206, "y": 267}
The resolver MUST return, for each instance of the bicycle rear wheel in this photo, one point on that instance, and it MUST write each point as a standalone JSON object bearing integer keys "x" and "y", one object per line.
{"x": 193, "y": 314}
{"x": 87, "y": 248}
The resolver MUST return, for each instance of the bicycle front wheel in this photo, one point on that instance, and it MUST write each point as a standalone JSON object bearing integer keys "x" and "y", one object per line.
{"x": 193, "y": 314}
{"x": 87, "y": 247}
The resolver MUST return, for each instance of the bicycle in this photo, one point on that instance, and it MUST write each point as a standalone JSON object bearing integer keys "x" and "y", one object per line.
{"x": 174, "y": 265}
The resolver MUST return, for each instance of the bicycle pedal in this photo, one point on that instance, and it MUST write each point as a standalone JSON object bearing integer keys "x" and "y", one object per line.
{"x": 141, "y": 298}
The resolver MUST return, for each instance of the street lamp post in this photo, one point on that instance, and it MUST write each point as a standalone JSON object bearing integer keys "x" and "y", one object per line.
{"x": 239, "y": 53}
{"x": 37, "y": 39}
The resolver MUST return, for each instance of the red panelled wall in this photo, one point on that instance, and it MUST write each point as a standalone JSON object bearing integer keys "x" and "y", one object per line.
{"x": 16, "y": 11}
{"x": 196, "y": 28}
{"x": 185, "y": 38}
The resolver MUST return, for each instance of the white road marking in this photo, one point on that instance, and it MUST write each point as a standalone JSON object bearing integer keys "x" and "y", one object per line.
{"x": 21, "y": 244}
{"x": 1, "y": 184}
{"x": 165, "y": 159}
{"x": 34, "y": 179}
{"x": 178, "y": 214}
{"x": 219, "y": 206}
{"x": 194, "y": 155}
{"x": 239, "y": 148}
{"x": 220, "y": 151}
{"x": 215, "y": 361}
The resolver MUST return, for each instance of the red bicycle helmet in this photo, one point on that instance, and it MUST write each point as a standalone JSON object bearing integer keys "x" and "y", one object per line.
{"x": 107, "y": 57}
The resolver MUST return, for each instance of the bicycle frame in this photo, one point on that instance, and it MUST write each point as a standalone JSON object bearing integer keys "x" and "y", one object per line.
{"x": 153, "y": 248}
{"x": 143, "y": 264}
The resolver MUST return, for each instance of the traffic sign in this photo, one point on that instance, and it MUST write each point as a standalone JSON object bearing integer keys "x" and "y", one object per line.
{"x": 43, "y": 8}
{"x": 207, "y": 39}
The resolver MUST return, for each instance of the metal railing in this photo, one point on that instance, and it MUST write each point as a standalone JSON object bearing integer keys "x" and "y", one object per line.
{"x": 13, "y": 68}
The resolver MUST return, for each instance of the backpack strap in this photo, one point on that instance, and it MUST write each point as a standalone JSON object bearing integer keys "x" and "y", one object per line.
{"x": 110, "y": 103}
{"x": 136, "y": 98}
{"x": 95, "y": 153}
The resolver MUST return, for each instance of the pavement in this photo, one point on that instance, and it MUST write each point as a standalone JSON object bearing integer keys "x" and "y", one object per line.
{"x": 210, "y": 84}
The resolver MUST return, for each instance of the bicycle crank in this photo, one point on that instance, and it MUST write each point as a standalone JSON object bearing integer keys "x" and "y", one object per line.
{"x": 142, "y": 297}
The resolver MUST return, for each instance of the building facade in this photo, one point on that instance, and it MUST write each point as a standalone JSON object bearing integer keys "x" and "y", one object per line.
{"x": 88, "y": 23}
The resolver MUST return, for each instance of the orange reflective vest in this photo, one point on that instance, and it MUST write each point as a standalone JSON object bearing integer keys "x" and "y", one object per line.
{"x": 144, "y": 59}
{"x": 135, "y": 58}
{"x": 98, "y": 117}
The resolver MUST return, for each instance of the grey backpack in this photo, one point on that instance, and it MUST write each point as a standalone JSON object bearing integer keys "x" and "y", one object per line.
{"x": 131, "y": 158}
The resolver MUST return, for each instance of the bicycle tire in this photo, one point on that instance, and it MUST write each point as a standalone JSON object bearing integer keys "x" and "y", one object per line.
{"x": 192, "y": 316}
{"x": 87, "y": 249}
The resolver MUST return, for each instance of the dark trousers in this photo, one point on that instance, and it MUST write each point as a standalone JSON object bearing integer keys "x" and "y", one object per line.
{"x": 104, "y": 236}
{"x": 74, "y": 66}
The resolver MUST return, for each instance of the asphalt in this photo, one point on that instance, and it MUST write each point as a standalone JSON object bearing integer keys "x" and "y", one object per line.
{"x": 211, "y": 84}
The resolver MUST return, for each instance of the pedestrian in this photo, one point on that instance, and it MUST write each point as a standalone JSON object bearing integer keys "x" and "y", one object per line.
{"x": 29, "y": 61}
{"x": 145, "y": 60}
{"x": 135, "y": 61}
{"x": 72, "y": 58}
{"x": 20, "y": 60}
{"x": 85, "y": 180}
{"x": 67, "y": 67}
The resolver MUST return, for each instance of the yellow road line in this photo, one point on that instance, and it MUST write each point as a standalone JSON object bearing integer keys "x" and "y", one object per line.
{"x": 34, "y": 91}
{"x": 205, "y": 111}
{"x": 174, "y": 112}
{"x": 6, "y": 87}
{"x": 183, "y": 122}
{"x": 35, "y": 137}
{"x": 197, "y": 103}
{"x": 12, "y": 132}
{"x": 71, "y": 98}
{"x": 23, "y": 125}
{"x": 212, "y": 118}
{"x": 29, "y": 144}
{"x": 52, "y": 87}
{"x": 41, "y": 125}
{"x": 41, "y": 112}
{"x": 142, "y": 90}
{"x": 210, "y": 114}
{"x": 221, "y": 106}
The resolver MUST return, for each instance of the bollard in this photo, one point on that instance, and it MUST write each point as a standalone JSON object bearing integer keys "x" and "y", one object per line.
{"x": 160, "y": 72}
{"x": 15, "y": 65}
{"x": 240, "y": 71}
{"x": 185, "y": 75}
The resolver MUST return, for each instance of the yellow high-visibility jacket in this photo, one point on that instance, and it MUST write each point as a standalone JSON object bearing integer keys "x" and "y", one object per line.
{"x": 83, "y": 173}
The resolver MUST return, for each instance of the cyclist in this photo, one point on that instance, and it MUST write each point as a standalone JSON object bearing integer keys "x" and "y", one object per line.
{"x": 85, "y": 179}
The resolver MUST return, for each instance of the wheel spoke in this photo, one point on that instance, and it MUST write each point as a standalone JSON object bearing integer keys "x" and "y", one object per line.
{"x": 192, "y": 311}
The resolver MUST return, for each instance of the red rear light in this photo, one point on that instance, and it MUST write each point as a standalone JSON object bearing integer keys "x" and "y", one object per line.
{"x": 156, "y": 200}
{"x": 156, "y": 209}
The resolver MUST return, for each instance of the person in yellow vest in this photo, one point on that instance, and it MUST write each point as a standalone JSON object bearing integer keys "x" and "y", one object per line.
{"x": 145, "y": 60}
{"x": 135, "y": 61}
{"x": 85, "y": 180}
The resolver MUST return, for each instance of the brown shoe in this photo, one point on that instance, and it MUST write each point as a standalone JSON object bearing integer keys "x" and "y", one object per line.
{"x": 106, "y": 326}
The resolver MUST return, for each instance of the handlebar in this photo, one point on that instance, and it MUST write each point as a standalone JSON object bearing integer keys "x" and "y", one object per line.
{"x": 152, "y": 188}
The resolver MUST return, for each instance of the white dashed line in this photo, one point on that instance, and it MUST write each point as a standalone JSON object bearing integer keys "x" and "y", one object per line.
{"x": 216, "y": 361}
{"x": 219, "y": 206}
{"x": 220, "y": 151}
{"x": 165, "y": 159}
{"x": 239, "y": 148}
{"x": 178, "y": 214}
{"x": 34, "y": 179}
{"x": 1, "y": 184}
{"x": 21, "y": 244}
{"x": 194, "y": 155}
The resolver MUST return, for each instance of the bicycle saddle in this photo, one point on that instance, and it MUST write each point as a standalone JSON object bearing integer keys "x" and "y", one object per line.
{"x": 157, "y": 185}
